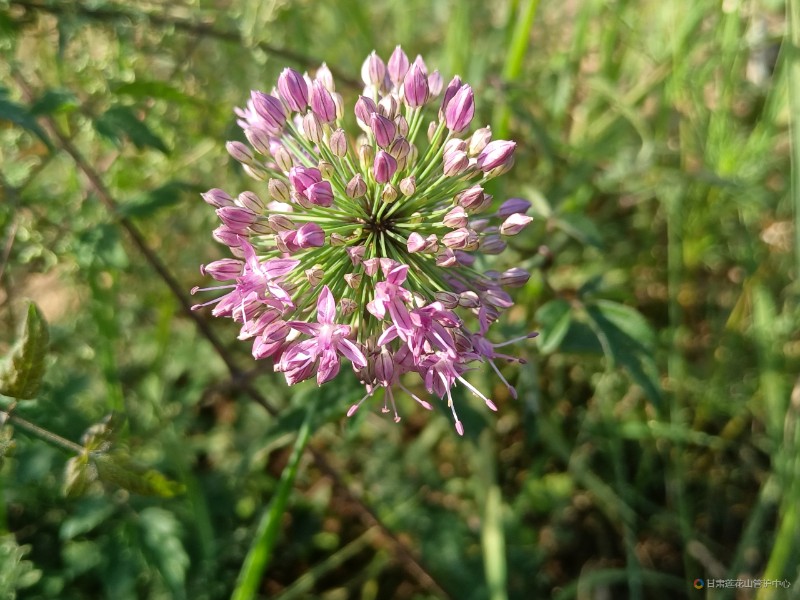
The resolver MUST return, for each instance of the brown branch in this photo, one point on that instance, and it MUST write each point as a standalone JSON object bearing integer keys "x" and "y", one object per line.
{"x": 118, "y": 13}
{"x": 407, "y": 558}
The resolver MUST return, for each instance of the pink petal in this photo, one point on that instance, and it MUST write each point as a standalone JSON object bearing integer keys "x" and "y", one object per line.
{"x": 326, "y": 306}
{"x": 352, "y": 352}
{"x": 278, "y": 267}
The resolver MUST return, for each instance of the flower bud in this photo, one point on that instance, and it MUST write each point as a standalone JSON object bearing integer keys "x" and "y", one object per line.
{"x": 498, "y": 153}
{"x": 460, "y": 109}
{"x": 258, "y": 138}
{"x": 326, "y": 77}
{"x": 435, "y": 83}
{"x": 479, "y": 140}
{"x": 224, "y": 269}
{"x": 371, "y": 266}
{"x": 384, "y": 130}
{"x": 293, "y": 88}
{"x": 514, "y": 224}
{"x": 322, "y": 103}
{"x": 283, "y": 159}
{"x": 408, "y": 185}
{"x": 217, "y": 198}
{"x": 338, "y": 143}
{"x": 415, "y": 242}
{"x": 236, "y": 218}
{"x": 448, "y": 299}
{"x": 347, "y": 306}
{"x": 240, "y": 152}
{"x": 353, "y": 279}
{"x": 356, "y": 187}
{"x": 339, "y": 103}
{"x": 468, "y": 299}
{"x": 402, "y": 125}
{"x": 326, "y": 169}
{"x": 415, "y": 87}
{"x": 384, "y": 167}
{"x": 446, "y": 258}
{"x": 452, "y": 88}
{"x": 432, "y": 127}
{"x": 320, "y": 193}
{"x": 312, "y": 127}
{"x": 400, "y": 148}
{"x": 398, "y": 66}
{"x": 455, "y": 163}
{"x": 453, "y": 145}
{"x": 455, "y": 218}
{"x": 431, "y": 243}
{"x": 514, "y": 277}
{"x": 278, "y": 190}
{"x": 281, "y": 223}
{"x": 364, "y": 108}
{"x": 389, "y": 193}
{"x": 387, "y": 107}
{"x": 373, "y": 70}
{"x": 251, "y": 201}
{"x": 337, "y": 239}
{"x": 314, "y": 275}
{"x": 465, "y": 258}
{"x": 256, "y": 171}
{"x": 356, "y": 254}
{"x": 457, "y": 239}
{"x": 310, "y": 235}
{"x": 271, "y": 111}
{"x": 366, "y": 156}
{"x": 513, "y": 205}
{"x": 471, "y": 197}
{"x": 302, "y": 177}
{"x": 225, "y": 235}
{"x": 492, "y": 244}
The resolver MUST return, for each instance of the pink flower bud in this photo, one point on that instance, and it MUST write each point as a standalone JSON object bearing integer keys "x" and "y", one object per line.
{"x": 310, "y": 235}
{"x": 383, "y": 128}
{"x": 270, "y": 109}
{"x": 415, "y": 242}
{"x": 389, "y": 193}
{"x": 514, "y": 224}
{"x": 371, "y": 266}
{"x": 455, "y": 218}
{"x": 223, "y": 269}
{"x": 353, "y": 280}
{"x": 282, "y": 158}
{"x": 408, "y": 185}
{"x": 338, "y": 143}
{"x": 514, "y": 277}
{"x": 415, "y": 87}
{"x": 479, "y": 140}
{"x": 384, "y": 367}
{"x": 400, "y": 148}
{"x": 236, "y": 218}
{"x": 398, "y": 66}
{"x": 227, "y": 236}
{"x": 460, "y": 109}
{"x": 326, "y": 77}
{"x": 240, "y": 152}
{"x": 258, "y": 138}
{"x": 471, "y": 197}
{"x": 498, "y": 153}
{"x": 293, "y": 88}
{"x": 446, "y": 258}
{"x": 448, "y": 299}
{"x": 251, "y": 201}
{"x": 320, "y": 193}
{"x": 492, "y": 244}
{"x": 457, "y": 239}
{"x": 455, "y": 163}
{"x": 356, "y": 187}
{"x": 373, "y": 70}
{"x": 452, "y": 88}
{"x": 402, "y": 125}
{"x": 364, "y": 108}
{"x": 356, "y": 254}
{"x": 217, "y": 198}
{"x": 312, "y": 127}
{"x": 435, "y": 83}
{"x": 387, "y": 107}
{"x": 322, "y": 103}
{"x": 281, "y": 223}
{"x": 278, "y": 190}
{"x": 384, "y": 167}
{"x": 302, "y": 177}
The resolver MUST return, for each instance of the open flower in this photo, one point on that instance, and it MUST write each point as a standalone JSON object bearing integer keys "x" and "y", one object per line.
{"x": 373, "y": 250}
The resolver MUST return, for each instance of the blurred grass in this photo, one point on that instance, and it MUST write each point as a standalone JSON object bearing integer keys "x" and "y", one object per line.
{"x": 657, "y": 139}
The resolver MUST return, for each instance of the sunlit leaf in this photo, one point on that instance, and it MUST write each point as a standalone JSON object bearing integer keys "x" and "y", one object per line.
{"x": 141, "y": 89}
{"x": 23, "y": 369}
{"x": 120, "y": 122}
{"x": 79, "y": 473}
{"x": 553, "y": 320}
{"x": 168, "y": 194}
{"x": 54, "y": 101}
{"x": 118, "y": 468}
{"x": 19, "y": 115}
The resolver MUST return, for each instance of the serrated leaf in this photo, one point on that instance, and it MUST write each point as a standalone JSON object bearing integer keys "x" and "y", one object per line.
{"x": 79, "y": 473}
{"x": 23, "y": 369}
{"x": 19, "y": 115}
{"x": 166, "y": 195}
{"x": 553, "y": 319}
{"x": 117, "y": 467}
{"x": 161, "y": 537}
{"x": 627, "y": 340}
{"x": 581, "y": 228}
{"x": 120, "y": 122}
{"x": 53, "y": 101}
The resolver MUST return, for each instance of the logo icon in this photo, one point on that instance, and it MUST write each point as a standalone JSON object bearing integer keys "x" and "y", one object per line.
{"x": 699, "y": 584}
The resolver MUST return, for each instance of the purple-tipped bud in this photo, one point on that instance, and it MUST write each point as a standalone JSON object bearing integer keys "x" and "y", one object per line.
{"x": 384, "y": 130}
{"x": 281, "y": 223}
{"x": 455, "y": 163}
{"x": 224, "y": 269}
{"x": 364, "y": 108}
{"x": 400, "y": 148}
{"x": 460, "y": 110}
{"x": 278, "y": 190}
{"x": 435, "y": 83}
{"x": 415, "y": 242}
{"x": 320, "y": 193}
{"x": 338, "y": 143}
{"x": 314, "y": 275}
{"x": 408, "y": 185}
{"x": 492, "y": 244}
{"x": 468, "y": 299}
{"x": 312, "y": 127}
{"x": 421, "y": 65}
{"x": 398, "y": 66}
{"x": 302, "y": 177}
{"x": 514, "y": 224}
{"x": 471, "y": 197}
{"x": 452, "y": 88}
{"x": 293, "y": 88}
{"x": 326, "y": 77}
{"x": 498, "y": 153}
{"x": 446, "y": 258}
{"x": 283, "y": 158}
{"x": 513, "y": 205}
{"x": 415, "y": 87}
{"x": 227, "y": 236}
{"x": 373, "y": 70}
{"x": 514, "y": 277}
{"x": 384, "y": 167}
{"x": 236, "y": 218}
{"x": 356, "y": 187}
{"x": 310, "y": 235}
{"x": 388, "y": 107}
{"x": 384, "y": 367}
{"x": 251, "y": 202}
{"x": 322, "y": 103}
{"x": 270, "y": 109}
{"x": 217, "y": 198}
{"x": 402, "y": 125}
{"x": 479, "y": 140}
{"x": 455, "y": 218}
{"x": 240, "y": 152}
{"x": 460, "y": 239}
{"x": 448, "y": 299}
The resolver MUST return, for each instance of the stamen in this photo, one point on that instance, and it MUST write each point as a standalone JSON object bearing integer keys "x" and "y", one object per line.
{"x": 510, "y": 387}
{"x": 352, "y": 410}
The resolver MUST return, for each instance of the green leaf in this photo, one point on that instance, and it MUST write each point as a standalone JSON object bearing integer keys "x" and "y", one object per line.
{"x": 89, "y": 514}
{"x": 15, "y": 573}
{"x": 79, "y": 473}
{"x": 143, "y": 90}
{"x": 119, "y": 122}
{"x": 553, "y": 319}
{"x": 54, "y": 101}
{"x": 628, "y": 341}
{"x": 118, "y": 468}
{"x": 23, "y": 368}
{"x": 19, "y": 115}
{"x": 581, "y": 228}
{"x": 168, "y": 194}
{"x": 161, "y": 537}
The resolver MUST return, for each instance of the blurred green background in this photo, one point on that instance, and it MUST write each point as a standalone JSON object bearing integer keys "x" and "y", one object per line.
{"x": 655, "y": 438}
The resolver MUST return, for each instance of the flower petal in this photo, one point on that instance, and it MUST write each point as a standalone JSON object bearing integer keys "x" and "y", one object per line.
{"x": 326, "y": 306}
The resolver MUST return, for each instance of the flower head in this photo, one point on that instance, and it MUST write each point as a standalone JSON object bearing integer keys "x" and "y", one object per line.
{"x": 371, "y": 250}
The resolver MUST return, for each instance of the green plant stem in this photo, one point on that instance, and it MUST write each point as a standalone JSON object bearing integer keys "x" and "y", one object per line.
{"x": 48, "y": 436}
{"x": 260, "y": 553}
